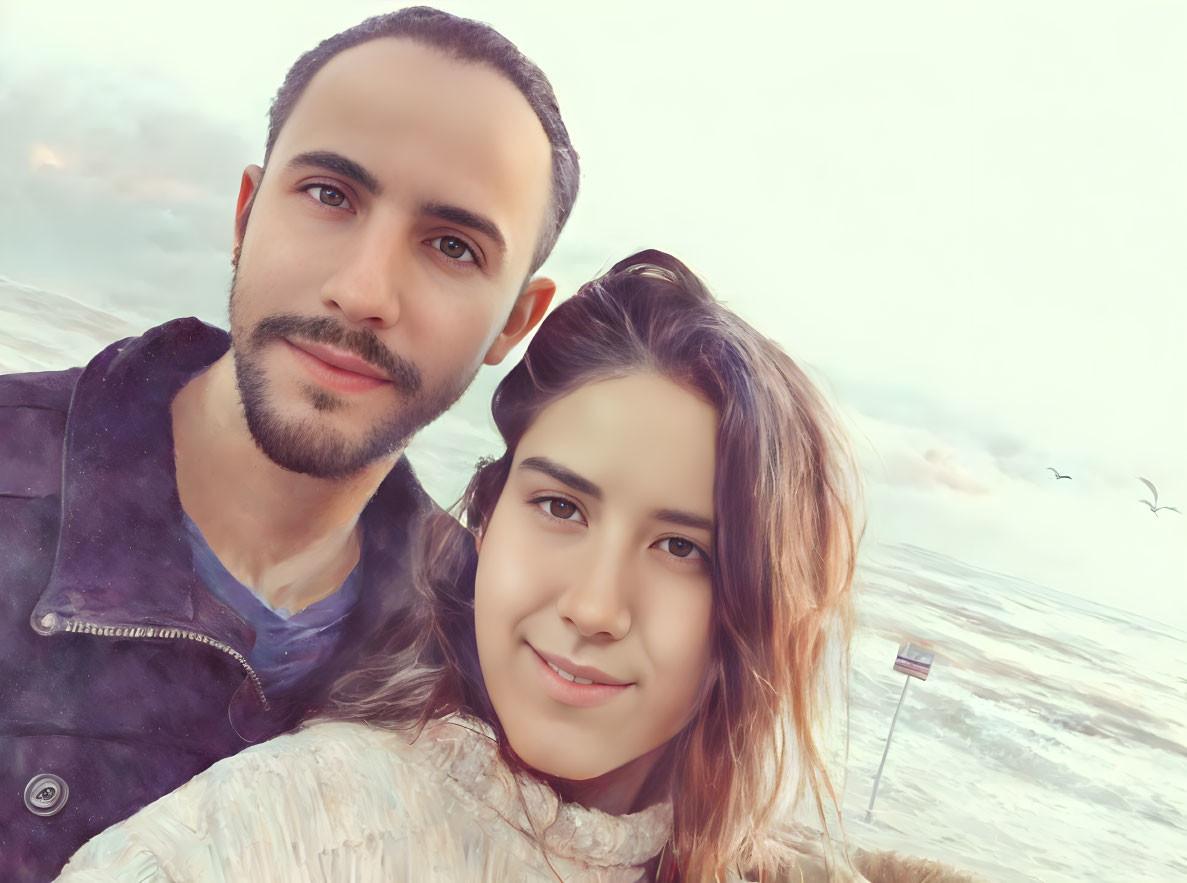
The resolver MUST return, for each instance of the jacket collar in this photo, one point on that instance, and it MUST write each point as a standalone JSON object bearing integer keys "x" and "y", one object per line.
{"x": 122, "y": 558}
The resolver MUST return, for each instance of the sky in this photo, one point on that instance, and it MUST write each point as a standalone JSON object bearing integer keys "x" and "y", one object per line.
{"x": 965, "y": 219}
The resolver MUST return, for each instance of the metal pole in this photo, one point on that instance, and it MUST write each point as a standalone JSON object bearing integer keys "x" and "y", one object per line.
{"x": 886, "y": 750}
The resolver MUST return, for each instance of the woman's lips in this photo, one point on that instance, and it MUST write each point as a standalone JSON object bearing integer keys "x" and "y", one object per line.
{"x": 567, "y": 692}
{"x": 335, "y": 370}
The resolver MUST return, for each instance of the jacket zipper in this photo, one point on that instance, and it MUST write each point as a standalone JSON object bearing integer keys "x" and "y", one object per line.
{"x": 154, "y": 632}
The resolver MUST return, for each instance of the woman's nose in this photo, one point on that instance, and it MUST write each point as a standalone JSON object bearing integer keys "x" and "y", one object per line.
{"x": 596, "y": 598}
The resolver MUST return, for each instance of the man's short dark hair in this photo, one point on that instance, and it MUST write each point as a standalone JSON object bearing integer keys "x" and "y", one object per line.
{"x": 465, "y": 40}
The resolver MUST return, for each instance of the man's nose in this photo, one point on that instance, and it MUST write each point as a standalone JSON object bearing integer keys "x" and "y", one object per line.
{"x": 596, "y": 595}
{"x": 367, "y": 285}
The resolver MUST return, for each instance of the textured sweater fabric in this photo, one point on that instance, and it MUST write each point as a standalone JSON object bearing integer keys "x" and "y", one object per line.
{"x": 348, "y": 802}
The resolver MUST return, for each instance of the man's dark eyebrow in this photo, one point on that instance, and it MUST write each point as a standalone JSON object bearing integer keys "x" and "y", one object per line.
{"x": 563, "y": 475}
{"x": 686, "y": 519}
{"x": 466, "y": 218}
{"x": 339, "y": 165}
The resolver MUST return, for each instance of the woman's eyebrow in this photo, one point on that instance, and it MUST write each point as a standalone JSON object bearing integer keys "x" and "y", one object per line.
{"x": 583, "y": 485}
{"x": 563, "y": 475}
{"x": 684, "y": 519}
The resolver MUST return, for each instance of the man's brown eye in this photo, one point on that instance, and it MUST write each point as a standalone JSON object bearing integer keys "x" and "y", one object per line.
{"x": 453, "y": 248}
{"x": 330, "y": 196}
{"x": 561, "y": 508}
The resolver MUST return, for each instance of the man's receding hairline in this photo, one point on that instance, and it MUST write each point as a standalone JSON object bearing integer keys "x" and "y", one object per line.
{"x": 461, "y": 40}
{"x": 453, "y": 55}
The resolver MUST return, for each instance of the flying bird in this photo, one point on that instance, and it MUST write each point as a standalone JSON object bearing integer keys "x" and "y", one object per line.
{"x": 1057, "y": 475}
{"x": 1154, "y": 507}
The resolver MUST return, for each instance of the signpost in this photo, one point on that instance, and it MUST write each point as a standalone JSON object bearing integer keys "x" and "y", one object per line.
{"x": 914, "y": 662}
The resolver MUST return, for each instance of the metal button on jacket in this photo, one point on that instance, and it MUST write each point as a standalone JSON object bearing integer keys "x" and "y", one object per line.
{"x": 46, "y": 794}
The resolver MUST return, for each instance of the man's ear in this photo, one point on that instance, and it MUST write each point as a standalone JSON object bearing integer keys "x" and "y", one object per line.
{"x": 249, "y": 186}
{"x": 529, "y": 309}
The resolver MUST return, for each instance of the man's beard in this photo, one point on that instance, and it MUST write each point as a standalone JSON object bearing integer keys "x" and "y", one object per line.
{"x": 305, "y": 444}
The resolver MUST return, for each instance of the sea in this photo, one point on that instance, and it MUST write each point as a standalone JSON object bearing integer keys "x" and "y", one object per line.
{"x": 1047, "y": 743}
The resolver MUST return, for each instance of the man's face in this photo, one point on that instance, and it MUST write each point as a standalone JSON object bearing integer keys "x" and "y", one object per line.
{"x": 385, "y": 254}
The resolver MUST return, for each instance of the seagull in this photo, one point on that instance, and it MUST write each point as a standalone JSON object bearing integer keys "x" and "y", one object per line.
{"x": 1057, "y": 475}
{"x": 1154, "y": 507}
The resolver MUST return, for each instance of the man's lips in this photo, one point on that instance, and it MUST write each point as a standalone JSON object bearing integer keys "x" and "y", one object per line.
{"x": 336, "y": 371}
{"x": 341, "y": 360}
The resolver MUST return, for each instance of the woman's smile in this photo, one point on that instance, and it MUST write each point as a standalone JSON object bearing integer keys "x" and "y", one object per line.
{"x": 562, "y": 685}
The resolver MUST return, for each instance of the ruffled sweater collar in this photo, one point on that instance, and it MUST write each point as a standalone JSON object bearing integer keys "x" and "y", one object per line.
{"x": 465, "y": 754}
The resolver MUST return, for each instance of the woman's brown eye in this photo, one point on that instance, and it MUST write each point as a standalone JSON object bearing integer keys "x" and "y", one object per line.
{"x": 330, "y": 196}
{"x": 680, "y": 548}
{"x": 561, "y": 508}
{"x": 453, "y": 248}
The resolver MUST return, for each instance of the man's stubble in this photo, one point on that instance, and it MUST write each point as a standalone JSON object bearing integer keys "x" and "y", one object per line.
{"x": 312, "y": 445}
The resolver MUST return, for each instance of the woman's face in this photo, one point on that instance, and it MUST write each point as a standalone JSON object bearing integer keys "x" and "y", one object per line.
{"x": 595, "y": 561}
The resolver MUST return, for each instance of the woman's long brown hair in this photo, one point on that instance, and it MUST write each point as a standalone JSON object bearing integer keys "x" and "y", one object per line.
{"x": 783, "y": 555}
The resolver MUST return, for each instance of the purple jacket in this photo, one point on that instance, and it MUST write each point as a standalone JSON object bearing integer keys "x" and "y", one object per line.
{"x": 121, "y": 676}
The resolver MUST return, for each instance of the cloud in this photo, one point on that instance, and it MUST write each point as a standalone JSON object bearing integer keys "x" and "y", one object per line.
{"x": 917, "y": 440}
{"x": 115, "y": 197}
{"x": 937, "y": 467}
{"x": 903, "y": 423}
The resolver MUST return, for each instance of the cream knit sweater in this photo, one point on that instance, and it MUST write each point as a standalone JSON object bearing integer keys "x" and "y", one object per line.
{"x": 349, "y": 802}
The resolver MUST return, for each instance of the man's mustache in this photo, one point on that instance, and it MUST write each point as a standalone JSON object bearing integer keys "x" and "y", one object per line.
{"x": 357, "y": 341}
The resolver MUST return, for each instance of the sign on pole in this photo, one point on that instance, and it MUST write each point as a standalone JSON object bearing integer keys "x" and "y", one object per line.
{"x": 914, "y": 662}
